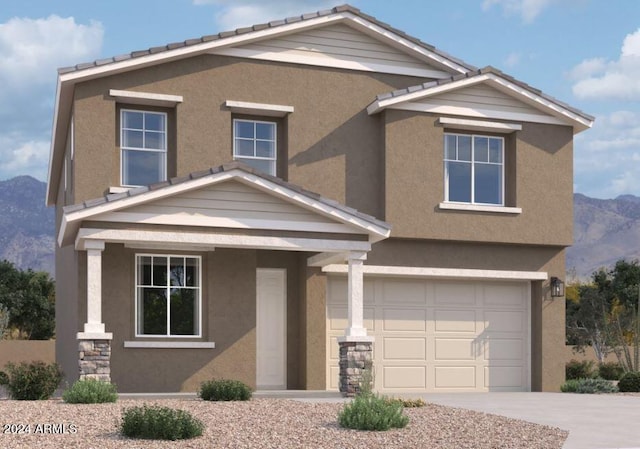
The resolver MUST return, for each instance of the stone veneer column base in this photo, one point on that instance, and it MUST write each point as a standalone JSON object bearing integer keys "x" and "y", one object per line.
{"x": 94, "y": 359}
{"x": 355, "y": 358}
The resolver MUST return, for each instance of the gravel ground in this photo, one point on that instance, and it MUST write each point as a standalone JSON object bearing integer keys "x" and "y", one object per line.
{"x": 267, "y": 423}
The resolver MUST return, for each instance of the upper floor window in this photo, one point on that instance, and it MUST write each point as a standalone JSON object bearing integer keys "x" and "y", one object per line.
{"x": 143, "y": 141}
{"x": 474, "y": 169}
{"x": 167, "y": 295}
{"x": 254, "y": 143}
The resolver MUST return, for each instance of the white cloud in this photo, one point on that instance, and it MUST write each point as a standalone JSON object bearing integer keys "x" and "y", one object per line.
{"x": 528, "y": 10}
{"x": 512, "y": 59}
{"x": 620, "y": 79}
{"x": 241, "y": 13}
{"x": 607, "y": 156}
{"x": 30, "y": 52}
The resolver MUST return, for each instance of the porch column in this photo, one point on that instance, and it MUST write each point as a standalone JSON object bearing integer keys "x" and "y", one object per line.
{"x": 94, "y": 344}
{"x": 356, "y": 348}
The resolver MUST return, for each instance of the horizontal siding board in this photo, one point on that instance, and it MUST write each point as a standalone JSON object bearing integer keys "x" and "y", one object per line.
{"x": 337, "y": 42}
{"x": 227, "y": 213}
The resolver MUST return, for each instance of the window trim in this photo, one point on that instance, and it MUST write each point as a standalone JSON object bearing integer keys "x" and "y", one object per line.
{"x": 199, "y": 289}
{"x": 473, "y": 163}
{"x": 122, "y": 147}
{"x": 275, "y": 143}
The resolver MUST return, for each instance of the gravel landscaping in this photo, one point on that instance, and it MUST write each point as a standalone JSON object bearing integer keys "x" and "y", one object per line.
{"x": 266, "y": 423}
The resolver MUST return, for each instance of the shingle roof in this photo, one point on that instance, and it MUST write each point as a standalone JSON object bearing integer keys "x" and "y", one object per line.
{"x": 235, "y": 165}
{"x": 258, "y": 27}
{"x": 478, "y": 72}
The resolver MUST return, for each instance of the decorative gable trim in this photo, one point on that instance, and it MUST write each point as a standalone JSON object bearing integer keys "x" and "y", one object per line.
{"x": 479, "y": 125}
{"x": 417, "y": 99}
{"x": 335, "y": 217}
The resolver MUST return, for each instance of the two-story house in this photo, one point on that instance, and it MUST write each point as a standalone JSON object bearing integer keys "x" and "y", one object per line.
{"x": 261, "y": 203}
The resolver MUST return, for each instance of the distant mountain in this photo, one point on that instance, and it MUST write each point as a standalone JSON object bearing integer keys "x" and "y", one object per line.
{"x": 27, "y": 226}
{"x": 603, "y": 231}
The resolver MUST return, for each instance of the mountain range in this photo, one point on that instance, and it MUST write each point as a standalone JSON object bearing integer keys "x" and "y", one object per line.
{"x": 604, "y": 230}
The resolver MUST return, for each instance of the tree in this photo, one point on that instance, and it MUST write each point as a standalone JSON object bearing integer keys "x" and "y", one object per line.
{"x": 29, "y": 297}
{"x": 606, "y": 314}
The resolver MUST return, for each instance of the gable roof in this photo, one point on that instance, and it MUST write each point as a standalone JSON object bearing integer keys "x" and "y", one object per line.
{"x": 276, "y": 187}
{"x": 402, "y": 99}
{"x": 68, "y": 77}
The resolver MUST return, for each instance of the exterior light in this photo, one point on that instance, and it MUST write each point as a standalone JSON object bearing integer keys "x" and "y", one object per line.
{"x": 557, "y": 287}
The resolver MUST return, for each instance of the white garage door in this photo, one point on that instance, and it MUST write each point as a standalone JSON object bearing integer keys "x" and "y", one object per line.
{"x": 438, "y": 335}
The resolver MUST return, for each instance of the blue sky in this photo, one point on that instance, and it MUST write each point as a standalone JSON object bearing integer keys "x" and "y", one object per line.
{"x": 583, "y": 52}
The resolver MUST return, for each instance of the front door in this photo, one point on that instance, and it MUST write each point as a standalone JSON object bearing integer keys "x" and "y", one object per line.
{"x": 271, "y": 329}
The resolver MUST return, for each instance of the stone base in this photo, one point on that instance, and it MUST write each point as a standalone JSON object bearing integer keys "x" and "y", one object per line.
{"x": 356, "y": 358}
{"x": 94, "y": 359}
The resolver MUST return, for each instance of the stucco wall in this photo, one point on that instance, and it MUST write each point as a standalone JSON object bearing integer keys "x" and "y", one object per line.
{"x": 17, "y": 351}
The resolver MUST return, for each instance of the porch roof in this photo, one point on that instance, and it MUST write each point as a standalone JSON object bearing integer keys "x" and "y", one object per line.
{"x": 298, "y": 211}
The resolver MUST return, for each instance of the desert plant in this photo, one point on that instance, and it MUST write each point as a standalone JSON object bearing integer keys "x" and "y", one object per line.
{"x": 410, "y": 403}
{"x": 224, "y": 390}
{"x": 588, "y": 386}
{"x": 90, "y": 391}
{"x": 372, "y": 412}
{"x": 575, "y": 369}
{"x": 630, "y": 382}
{"x": 4, "y": 321}
{"x": 32, "y": 381}
{"x": 159, "y": 423}
{"x": 610, "y": 370}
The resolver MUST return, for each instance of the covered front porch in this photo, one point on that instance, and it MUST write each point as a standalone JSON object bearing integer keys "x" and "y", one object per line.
{"x": 239, "y": 254}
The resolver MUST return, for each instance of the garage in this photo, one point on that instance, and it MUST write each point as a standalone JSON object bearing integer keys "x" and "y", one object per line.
{"x": 438, "y": 335}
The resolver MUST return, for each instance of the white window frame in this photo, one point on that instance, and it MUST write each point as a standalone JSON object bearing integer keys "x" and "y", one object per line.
{"x": 168, "y": 287}
{"x": 472, "y": 162}
{"x": 151, "y": 150}
{"x": 275, "y": 143}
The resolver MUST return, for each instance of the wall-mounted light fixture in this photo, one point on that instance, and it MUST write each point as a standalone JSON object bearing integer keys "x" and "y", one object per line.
{"x": 557, "y": 287}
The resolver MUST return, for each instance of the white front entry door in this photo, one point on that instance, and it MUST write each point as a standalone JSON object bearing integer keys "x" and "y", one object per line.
{"x": 271, "y": 329}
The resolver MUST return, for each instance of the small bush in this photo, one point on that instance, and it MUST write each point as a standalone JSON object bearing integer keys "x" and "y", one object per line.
{"x": 630, "y": 382}
{"x": 410, "y": 403}
{"x": 610, "y": 371}
{"x": 588, "y": 386}
{"x": 372, "y": 412}
{"x": 224, "y": 390}
{"x": 4, "y": 378}
{"x": 90, "y": 391}
{"x": 575, "y": 369}
{"x": 159, "y": 423}
{"x": 32, "y": 381}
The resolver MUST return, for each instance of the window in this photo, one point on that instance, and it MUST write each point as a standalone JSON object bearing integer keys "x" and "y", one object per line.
{"x": 254, "y": 143}
{"x": 474, "y": 169}
{"x": 167, "y": 296}
{"x": 143, "y": 141}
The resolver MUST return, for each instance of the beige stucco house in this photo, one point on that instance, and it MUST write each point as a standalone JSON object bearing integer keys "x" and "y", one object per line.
{"x": 261, "y": 203}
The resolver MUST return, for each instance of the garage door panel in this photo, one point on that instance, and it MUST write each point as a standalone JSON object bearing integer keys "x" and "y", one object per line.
{"x": 404, "y": 377}
{"x": 456, "y": 349}
{"x": 401, "y": 348}
{"x": 407, "y": 320}
{"x": 439, "y": 335}
{"x": 455, "y": 377}
{"x": 455, "y": 294}
{"x": 404, "y": 292}
{"x": 501, "y": 377}
{"x": 504, "y": 296}
{"x": 504, "y": 321}
{"x": 455, "y": 321}
{"x": 504, "y": 349}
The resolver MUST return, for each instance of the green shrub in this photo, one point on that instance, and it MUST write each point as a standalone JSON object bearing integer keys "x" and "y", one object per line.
{"x": 4, "y": 378}
{"x": 575, "y": 369}
{"x": 224, "y": 390}
{"x": 372, "y": 412}
{"x": 610, "y": 371}
{"x": 32, "y": 381}
{"x": 159, "y": 423}
{"x": 90, "y": 391}
{"x": 588, "y": 386}
{"x": 410, "y": 403}
{"x": 630, "y": 382}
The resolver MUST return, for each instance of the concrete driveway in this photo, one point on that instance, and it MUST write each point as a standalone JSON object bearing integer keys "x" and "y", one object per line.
{"x": 593, "y": 421}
